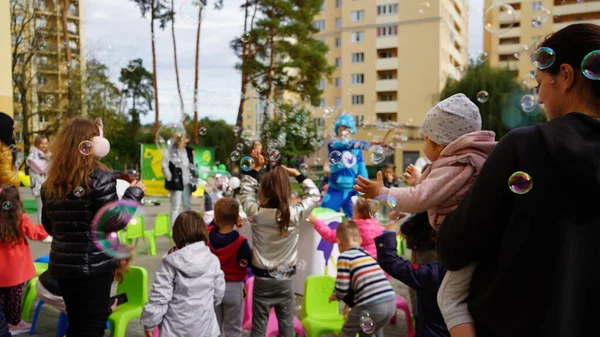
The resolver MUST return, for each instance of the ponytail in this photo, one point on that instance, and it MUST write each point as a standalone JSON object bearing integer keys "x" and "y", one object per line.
{"x": 276, "y": 192}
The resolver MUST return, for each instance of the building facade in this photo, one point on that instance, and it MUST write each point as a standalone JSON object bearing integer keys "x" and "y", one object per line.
{"x": 6, "y": 91}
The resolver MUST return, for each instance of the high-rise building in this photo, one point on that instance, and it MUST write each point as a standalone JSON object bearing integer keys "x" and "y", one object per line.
{"x": 511, "y": 33}
{"x": 40, "y": 22}
{"x": 6, "y": 92}
{"x": 392, "y": 58}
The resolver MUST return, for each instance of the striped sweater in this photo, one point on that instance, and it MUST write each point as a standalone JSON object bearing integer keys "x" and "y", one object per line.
{"x": 359, "y": 273}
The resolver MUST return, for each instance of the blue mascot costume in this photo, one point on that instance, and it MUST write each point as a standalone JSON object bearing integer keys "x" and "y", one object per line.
{"x": 344, "y": 172}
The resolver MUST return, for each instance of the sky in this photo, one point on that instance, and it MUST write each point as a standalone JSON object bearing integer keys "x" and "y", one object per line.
{"x": 116, "y": 33}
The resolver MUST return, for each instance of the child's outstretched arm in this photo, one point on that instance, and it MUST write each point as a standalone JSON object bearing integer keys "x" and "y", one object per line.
{"x": 248, "y": 193}
{"x": 326, "y": 233}
{"x": 36, "y": 232}
{"x": 310, "y": 196}
{"x": 160, "y": 297}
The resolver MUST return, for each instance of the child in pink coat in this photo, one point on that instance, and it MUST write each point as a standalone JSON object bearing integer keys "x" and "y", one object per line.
{"x": 457, "y": 149}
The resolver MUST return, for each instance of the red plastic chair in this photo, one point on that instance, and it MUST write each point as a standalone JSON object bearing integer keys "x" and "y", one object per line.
{"x": 272, "y": 325}
{"x": 402, "y": 305}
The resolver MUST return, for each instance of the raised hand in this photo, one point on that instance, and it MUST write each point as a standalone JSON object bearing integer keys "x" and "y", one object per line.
{"x": 367, "y": 188}
{"x": 411, "y": 175}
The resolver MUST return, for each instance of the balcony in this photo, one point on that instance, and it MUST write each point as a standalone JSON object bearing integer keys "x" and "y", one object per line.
{"x": 387, "y": 42}
{"x": 47, "y": 68}
{"x": 387, "y": 85}
{"x": 387, "y": 63}
{"x": 386, "y": 107}
{"x": 510, "y": 65}
{"x": 558, "y": 26}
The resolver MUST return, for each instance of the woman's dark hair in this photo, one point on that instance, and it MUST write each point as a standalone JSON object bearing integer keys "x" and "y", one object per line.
{"x": 275, "y": 192}
{"x": 570, "y": 45}
{"x": 6, "y": 129}
{"x": 10, "y": 214}
{"x": 189, "y": 228}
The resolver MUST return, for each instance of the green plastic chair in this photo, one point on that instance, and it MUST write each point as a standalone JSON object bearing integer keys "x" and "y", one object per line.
{"x": 40, "y": 267}
{"x": 135, "y": 231}
{"x": 29, "y": 206}
{"x": 400, "y": 246}
{"x": 319, "y": 316}
{"x": 29, "y": 295}
{"x": 135, "y": 285}
{"x": 162, "y": 227}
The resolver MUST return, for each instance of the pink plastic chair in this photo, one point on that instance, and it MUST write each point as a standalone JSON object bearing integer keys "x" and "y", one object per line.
{"x": 156, "y": 332}
{"x": 272, "y": 325}
{"x": 402, "y": 305}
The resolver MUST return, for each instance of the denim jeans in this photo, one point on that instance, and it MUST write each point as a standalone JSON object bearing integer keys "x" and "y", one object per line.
{"x": 176, "y": 199}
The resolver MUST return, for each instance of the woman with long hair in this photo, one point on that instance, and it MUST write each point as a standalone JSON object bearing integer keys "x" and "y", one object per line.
{"x": 178, "y": 168}
{"x": 37, "y": 160}
{"x": 8, "y": 173}
{"x": 78, "y": 185}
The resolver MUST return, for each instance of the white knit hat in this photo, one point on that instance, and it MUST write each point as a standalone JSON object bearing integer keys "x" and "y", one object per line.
{"x": 451, "y": 118}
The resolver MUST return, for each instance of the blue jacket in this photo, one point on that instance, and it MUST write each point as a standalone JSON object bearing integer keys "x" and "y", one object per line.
{"x": 352, "y": 164}
{"x": 424, "y": 279}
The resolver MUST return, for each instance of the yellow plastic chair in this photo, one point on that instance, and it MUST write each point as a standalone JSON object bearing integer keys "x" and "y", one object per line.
{"x": 319, "y": 316}
{"x": 162, "y": 227}
{"x": 135, "y": 285}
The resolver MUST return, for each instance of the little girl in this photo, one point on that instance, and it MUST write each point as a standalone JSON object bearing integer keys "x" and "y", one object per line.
{"x": 16, "y": 264}
{"x": 189, "y": 283}
{"x": 275, "y": 240}
{"x": 457, "y": 149}
{"x": 37, "y": 160}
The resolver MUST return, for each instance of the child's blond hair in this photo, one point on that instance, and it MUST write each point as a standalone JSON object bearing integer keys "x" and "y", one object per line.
{"x": 347, "y": 232}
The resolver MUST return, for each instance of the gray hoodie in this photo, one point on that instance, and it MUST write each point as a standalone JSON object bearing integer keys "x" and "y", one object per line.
{"x": 189, "y": 283}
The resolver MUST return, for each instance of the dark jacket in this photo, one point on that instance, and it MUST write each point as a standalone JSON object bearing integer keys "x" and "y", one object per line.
{"x": 535, "y": 252}
{"x": 3, "y": 323}
{"x": 419, "y": 233}
{"x": 69, "y": 221}
{"x": 176, "y": 182}
{"x": 424, "y": 279}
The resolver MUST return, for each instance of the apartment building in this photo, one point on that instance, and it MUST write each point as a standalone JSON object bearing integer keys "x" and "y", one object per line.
{"x": 6, "y": 91}
{"x": 392, "y": 58}
{"x": 529, "y": 24}
{"x": 48, "y": 71}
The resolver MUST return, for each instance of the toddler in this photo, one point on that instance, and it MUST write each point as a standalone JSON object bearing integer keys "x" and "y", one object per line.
{"x": 16, "y": 264}
{"x": 457, "y": 149}
{"x": 189, "y": 283}
{"x": 233, "y": 252}
{"x": 360, "y": 274}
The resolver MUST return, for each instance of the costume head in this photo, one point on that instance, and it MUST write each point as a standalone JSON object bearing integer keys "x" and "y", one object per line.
{"x": 451, "y": 118}
{"x": 346, "y": 121}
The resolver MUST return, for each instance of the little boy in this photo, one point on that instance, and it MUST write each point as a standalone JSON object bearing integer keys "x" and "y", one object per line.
{"x": 234, "y": 253}
{"x": 359, "y": 273}
{"x": 424, "y": 279}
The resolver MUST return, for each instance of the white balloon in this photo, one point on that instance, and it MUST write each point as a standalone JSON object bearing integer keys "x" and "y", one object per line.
{"x": 234, "y": 182}
{"x": 122, "y": 185}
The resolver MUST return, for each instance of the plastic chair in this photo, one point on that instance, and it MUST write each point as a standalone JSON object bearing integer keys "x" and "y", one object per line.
{"x": 40, "y": 267}
{"x": 135, "y": 285}
{"x": 162, "y": 227}
{"x": 319, "y": 316}
{"x": 400, "y": 247}
{"x": 135, "y": 231}
{"x": 63, "y": 321}
{"x": 29, "y": 206}
{"x": 43, "y": 259}
{"x": 272, "y": 325}
{"x": 29, "y": 295}
{"x": 403, "y": 305}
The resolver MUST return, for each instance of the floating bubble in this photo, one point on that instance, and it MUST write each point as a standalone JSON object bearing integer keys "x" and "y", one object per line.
{"x": 235, "y": 156}
{"x": 168, "y": 134}
{"x": 202, "y": 131}
{"x": 49, "y": 99}
{"x": 499, "y": 18}
{"x": 367, "y": 325}
{"x": 109, "y": 220}
{"x": 539, "y": 17}
{"x": 79, "y": 191}
{"x": 302, "y": 265}
{"x": 192, "y": 11}
{"x": 6, "y": 205}
{"x": 243, "y": 263}
{"x": 222, "y": 182}
{"x": 397, "y": 140}
{"x": 245, "y": 38}
{"x": 274, "y": 155}
{"x": 377, "y": 154}
{"x": 335, "y": 157}
{"x": 282, "y": 272}
{"x": 304, "y": 168}
{"x": 236, "y": 129}
{"x": 482, "y": 57}
{"x": 85, "y": 147}
{"x": 527, "y": 103}
{"x": 239, "y": 147}
{"x": 483, "y": 96}
{"x": 131, "y": 67}
{"x": 590, "y": 65}
{"x": 13, "y": 148}
{"x": 424, "y": 7}
{"x": 295, "y": 129}
{"x": 247, "y": 163}
{"x": 317, "y": 161}
{"x": 543, "y": 58}
{"x": 520, "y": 182}
{"x": 382, "y": 209}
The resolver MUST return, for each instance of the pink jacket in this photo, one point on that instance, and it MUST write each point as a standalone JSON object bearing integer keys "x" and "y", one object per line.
{"x": 446, "y": 180}
{"x": 369, "y": 229}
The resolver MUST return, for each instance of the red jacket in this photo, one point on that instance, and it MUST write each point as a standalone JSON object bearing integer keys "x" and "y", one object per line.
{"x": 228, "y": 258}
{"x": 16, "y": 263}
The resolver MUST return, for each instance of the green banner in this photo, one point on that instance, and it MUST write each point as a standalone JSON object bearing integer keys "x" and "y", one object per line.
{"x": 151, "y": 165}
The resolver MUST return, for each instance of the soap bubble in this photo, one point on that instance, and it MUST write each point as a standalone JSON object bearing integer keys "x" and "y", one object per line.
{"x": 382, "y": 209}
{"x": 482, "y": 57}
{"x": 168, "y": 133}
{"x": 590, "y": 66}
{"x": 235, "y": 156}
{"x": 13, "y": 148}
{"x": 304, "y": 168}
{"x": 335, "y": 157}
{"x": 282, "y": 272}
{"x": 424, "y": 7}
{"x": 79, "y": 191}
{"x": 234, "y": 182}
{"x": 202, "y": 131}
{"x": 85, "y": 147}
{"x": 539, "y": 17}
{"x": 377, "y": 154}
{"x": 527, "y": 103}
{"x": 274, "y": 155}
{"x": 236, "y": 129}
{"x": 245, "y": 38}
{"x": 49, "y": 99}
{"x": 132, "y": 66}
{"x": 483, "y": 96}
{"x": 221, "y": 182}
{"x": 243, "y": 263}
{"x": 6, "y": 205}
{"x": 191, "y": 11}
{"x": 367, "y": 325}
{"x": 497, "y": 13}
{"x": 247, "y": 163}
{"x": 397, "y": 140}
{"x": 302, "y": 265}
{"x": 520, "y": 182}
{"x": 109, "y": 220}
{"x": 543, "y": 58}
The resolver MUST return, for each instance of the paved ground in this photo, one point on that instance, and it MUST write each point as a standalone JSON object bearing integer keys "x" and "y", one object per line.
{"x": 49, "y": 316}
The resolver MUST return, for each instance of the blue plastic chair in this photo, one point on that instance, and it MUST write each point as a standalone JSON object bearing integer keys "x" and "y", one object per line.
{"x": 43, "y": 259}
{"x": 63, "y": 321}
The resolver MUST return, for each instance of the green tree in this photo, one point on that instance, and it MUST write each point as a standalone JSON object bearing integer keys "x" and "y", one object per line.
{"x": 215, "y": 129}
{"x": 137, "y": 86}
{"x": 502, "y": 111}
{"x": 292, "y": 131}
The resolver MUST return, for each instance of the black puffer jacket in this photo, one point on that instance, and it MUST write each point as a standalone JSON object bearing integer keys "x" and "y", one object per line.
{"x": 69, "y": 221}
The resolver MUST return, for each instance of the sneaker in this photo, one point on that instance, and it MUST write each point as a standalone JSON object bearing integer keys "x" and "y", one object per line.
{"x": 48, "y": 239}
{"x": 19, "y": 329}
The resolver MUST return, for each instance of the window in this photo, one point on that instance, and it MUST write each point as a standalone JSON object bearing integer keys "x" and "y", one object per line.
{"x": 358, "y": 57}
{"x": 18, "y": 19}
{"x": 387, "y": 9}
{"x": 386, "y": 98}
{"x": 42, "y": 59}
{"x": 319, "y": 24}
{"x": 72, "y": 44}
{"x": 41, "y": 4}
{"x": 338, "y": 62}
{"x": 72, "y": 27}
{"x": 536, "y": 5}
{"x": 387, "y": 30}
{"x": 338, "y": 3}
{"x": 338, "y": 102}
{"x": 358, "y": 15}
{"x": 42, "y": 80}
{"x": 338, "y": 22}
{"x": 323, "y": 6}
{"x": 321, "y": 84}
{"x": 73, "y": 9}
{"x": 358, "y": 99}
{"x": 358, "y": 37}
{"x": 408, "y": 158}
{"x": 338, "y": 82}
{"x": 386, "y": 76}
{"x": 338, "y": 42}
{"x": 40, "y": 22}
{"x": 322, "y": 103}
{"x": 358, "y": 78}
{"x": 360, "y": 121}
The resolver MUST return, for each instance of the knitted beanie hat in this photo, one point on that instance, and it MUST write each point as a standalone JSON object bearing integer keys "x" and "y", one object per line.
{"x": 451, "y": 118}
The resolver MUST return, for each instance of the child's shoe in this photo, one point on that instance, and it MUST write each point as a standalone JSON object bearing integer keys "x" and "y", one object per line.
{"x": 19, "y": 329}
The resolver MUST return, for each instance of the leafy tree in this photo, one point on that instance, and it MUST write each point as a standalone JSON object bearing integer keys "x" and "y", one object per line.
{"x": 137, "y": 86}
{"x": 292, "y": 131}
{"x": 214, "y": 137}
{"x": 502, "y": 111}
